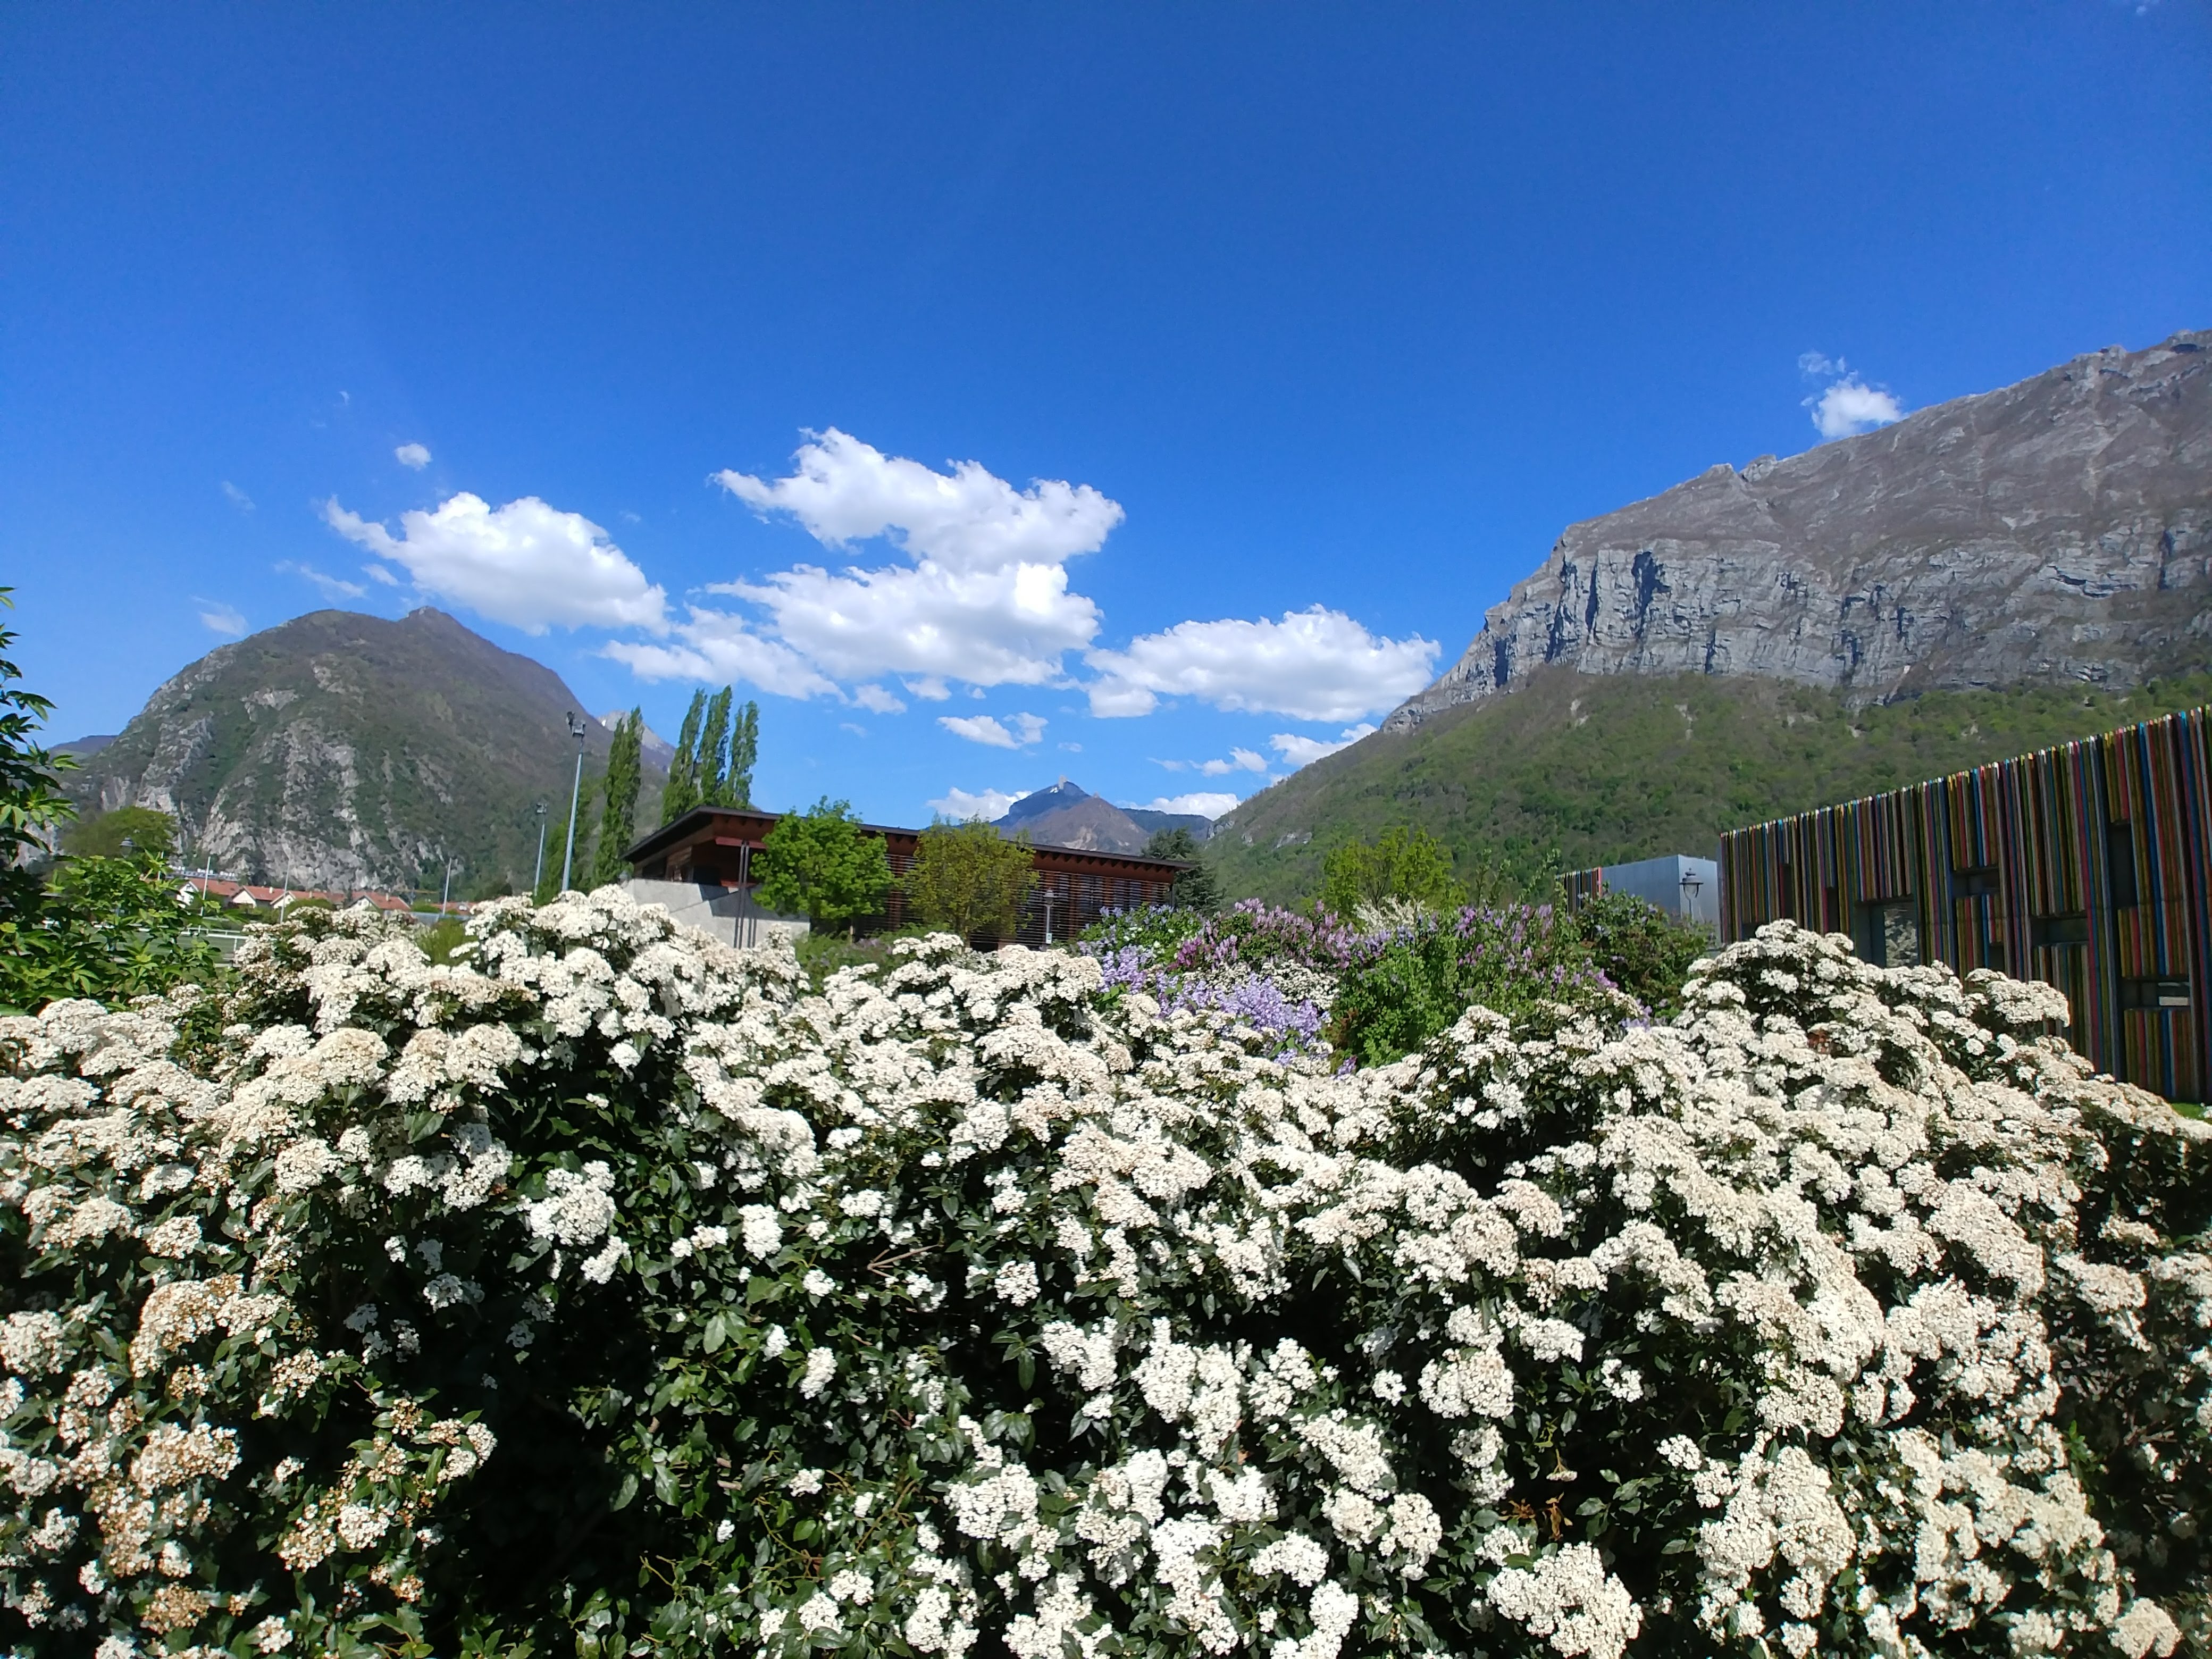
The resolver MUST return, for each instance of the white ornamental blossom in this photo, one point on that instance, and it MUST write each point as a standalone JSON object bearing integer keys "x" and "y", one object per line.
{"x": 578, "y": 1208}
{"x": 820, "y": 1366}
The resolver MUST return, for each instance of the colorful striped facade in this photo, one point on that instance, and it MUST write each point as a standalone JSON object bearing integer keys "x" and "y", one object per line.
{"x": 2087, "y": 866}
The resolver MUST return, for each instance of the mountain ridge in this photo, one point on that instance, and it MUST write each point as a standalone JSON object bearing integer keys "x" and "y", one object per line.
{"x": 2056, "y": 531}
{"x": 342, "y": 749}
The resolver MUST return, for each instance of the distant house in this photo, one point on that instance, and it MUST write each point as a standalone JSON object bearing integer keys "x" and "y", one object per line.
{"x": 2088, "y": 865}
{"x": 701, "y": 867}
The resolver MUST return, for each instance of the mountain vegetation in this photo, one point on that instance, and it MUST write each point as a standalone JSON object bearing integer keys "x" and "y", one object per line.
{"x": 340, "y": 749}
{"x": 1575, "y": 769}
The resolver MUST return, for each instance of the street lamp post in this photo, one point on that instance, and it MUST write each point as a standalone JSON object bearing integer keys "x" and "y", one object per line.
{"x": 576, "y": 730}
{"x": 1690, "y": 886}
{"x": 445, "y": 894}
{"x": 538, "y": 876}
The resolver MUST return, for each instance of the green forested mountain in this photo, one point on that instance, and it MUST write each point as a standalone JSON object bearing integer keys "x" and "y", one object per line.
{"x": 1574, "y": 769}
{"x": 342, "y": 749}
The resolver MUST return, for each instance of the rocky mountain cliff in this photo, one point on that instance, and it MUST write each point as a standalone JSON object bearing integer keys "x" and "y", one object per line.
{"x": 342, "y": 749}
{"x": 2056, "y": 531}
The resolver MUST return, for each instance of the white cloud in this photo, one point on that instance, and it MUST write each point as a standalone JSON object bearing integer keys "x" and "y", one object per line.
{"x": 1315, "y": 665}
{"x": 1206, "y": 804}
{"x": 238, "y": 498}
{"x": 986, "y": 729}
{"x": 1305, "y": 752}
{"x": 332, "y": 588}
{"x": 413, "y": 457}
{"x": 1240, "y": 760}
{"x": 990, "y": 805}
{"x": 525, "y": 564}
{"x": 1852, "y": 406}
{"x": 716, "y": 646}
{"x": 877, "y": 699}
{"x": 1848, "y": 405}
{"x": 845, "y": 492}
{"x": 221, "y": 618}
{"x": 985, "y": 597}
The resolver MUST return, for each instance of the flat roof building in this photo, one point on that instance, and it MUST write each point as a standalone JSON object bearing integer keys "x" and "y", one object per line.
{"x": 2085, "y": 865}
{"x": 1687, "y": 889}
{"x": 701, "y": 867}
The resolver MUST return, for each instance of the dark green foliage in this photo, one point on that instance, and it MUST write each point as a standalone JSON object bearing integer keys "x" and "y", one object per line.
{"x": 108, "y": 929}
{"x": 618, "y": 820}
{"x": 104, "y": 836}
{"x": 1401, "y": 863}
{"x": 737, "y": 789}
{"x": 969, "y": 879}
{"x": 713, "y": 755}
{"x": 820, "y": 863}
{"x": 32, "y": 803}
{"x": 1197, "y": 888}
{"x": 1425, "y": 975}
{"x": 681, "y": 793}
{"x": 1641, "y": 949}
{"x": 1576, "y": 769}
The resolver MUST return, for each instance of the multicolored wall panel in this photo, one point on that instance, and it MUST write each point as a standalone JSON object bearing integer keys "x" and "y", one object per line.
{"x": 2088, "y": 865}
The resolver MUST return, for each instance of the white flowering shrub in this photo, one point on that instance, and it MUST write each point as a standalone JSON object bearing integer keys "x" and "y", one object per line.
{"x": 608, "y": 1293}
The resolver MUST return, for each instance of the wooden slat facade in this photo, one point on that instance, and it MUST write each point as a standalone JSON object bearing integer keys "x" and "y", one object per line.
{"x": 2085, "y": 865}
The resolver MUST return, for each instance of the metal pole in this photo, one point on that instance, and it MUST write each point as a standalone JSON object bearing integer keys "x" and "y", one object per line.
{"x": 538, "y": 877}
{"x": 576, "y": 730}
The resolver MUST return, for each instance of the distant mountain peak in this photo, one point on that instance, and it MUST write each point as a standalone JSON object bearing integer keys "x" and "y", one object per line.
{"x": 2055, "y": 531}
{"x": 342, "y": 749}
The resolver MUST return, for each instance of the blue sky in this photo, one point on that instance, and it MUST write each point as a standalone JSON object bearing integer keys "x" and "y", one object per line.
{"x": 1273, "y": 343}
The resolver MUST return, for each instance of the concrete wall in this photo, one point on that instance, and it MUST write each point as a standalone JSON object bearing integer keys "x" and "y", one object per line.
{"x": 727, "y": 913}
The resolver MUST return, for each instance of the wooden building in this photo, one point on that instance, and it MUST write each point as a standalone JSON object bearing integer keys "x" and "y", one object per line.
{"x": 2088, "y": 865}
{"x": 714, "y": 847}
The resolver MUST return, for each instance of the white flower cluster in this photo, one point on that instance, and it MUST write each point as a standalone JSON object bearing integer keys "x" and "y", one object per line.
{"x": 1784, "y": 1326}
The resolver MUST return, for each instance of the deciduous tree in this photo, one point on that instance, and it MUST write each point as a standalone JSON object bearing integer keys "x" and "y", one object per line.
{"x": 969, "y": 880}
{"x": 821, "y": 864}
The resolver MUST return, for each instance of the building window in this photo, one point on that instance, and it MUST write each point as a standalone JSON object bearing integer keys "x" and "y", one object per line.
{"x": 2120, "y": 862}
{"x": 2070, "y": 929}
{"x": 1891, "y": 932}
{"x": 1980, "y": 882}
{"x": 2153, "y": 993}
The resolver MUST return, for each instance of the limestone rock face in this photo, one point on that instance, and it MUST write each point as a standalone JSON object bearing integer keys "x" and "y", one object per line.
{"x": 2059, "y": 530}
{"x": 346, "y": 751}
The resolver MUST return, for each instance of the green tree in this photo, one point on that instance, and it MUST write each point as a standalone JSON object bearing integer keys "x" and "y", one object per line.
{"x": 713, "y": 749}
{"x": 146, "y": 831}
{"x": 737, "y": 789}
{"x": 617, "y": 819}
{"x": 968, "y": 879}
{"x": 1402, "y": 863}
{"x": 32, "y": 803}
{"x": 682, "y": 793}
{"x": 108, "y": 929}
{"x": 820, "y": 863}
{"x": 1197, "y": 888}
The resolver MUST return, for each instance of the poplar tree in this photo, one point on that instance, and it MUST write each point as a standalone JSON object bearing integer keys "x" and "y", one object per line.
{"x": 617, "y": 826}
{"x": 744, "y": 749}
{"x": 682, "y": 793}
{"x": 710, "y": 770}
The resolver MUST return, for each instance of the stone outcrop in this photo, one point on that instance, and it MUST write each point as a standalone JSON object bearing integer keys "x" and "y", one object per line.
{"x": 2056, "y": 531}
{"x": 345, "y": 750}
